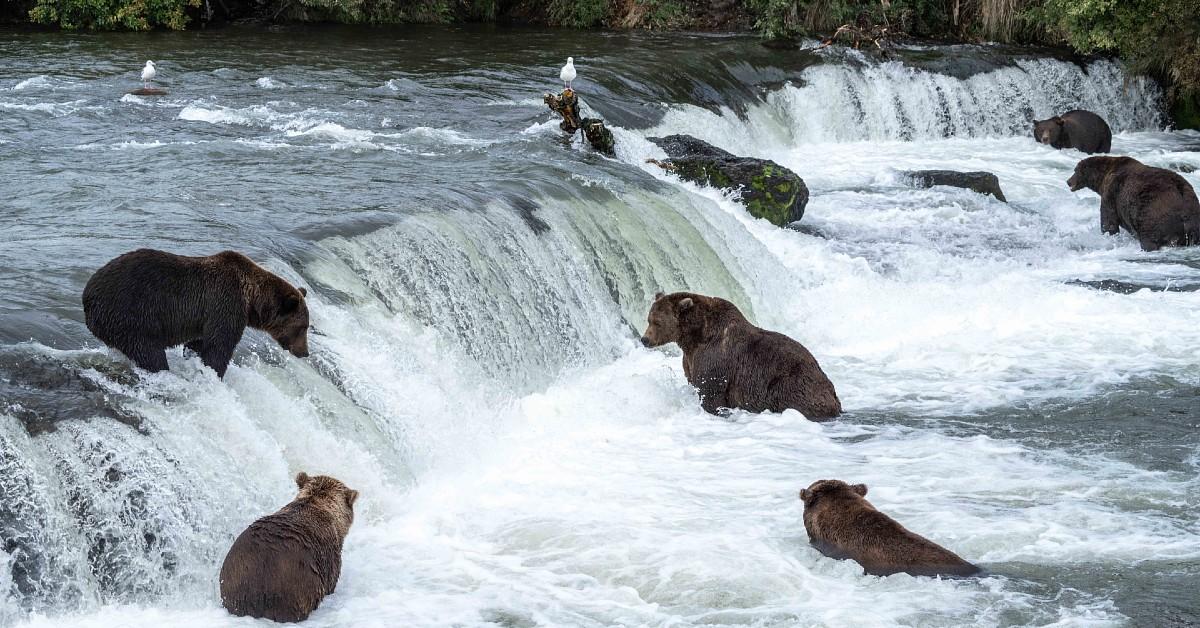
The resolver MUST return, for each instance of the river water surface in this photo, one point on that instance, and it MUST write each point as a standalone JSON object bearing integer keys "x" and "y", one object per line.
{"x": 1018, "y": 387}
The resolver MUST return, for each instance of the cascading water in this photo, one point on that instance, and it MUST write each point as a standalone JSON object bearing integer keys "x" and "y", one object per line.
{"x": 879, "y": 102}
{"x": 477, "y": 287}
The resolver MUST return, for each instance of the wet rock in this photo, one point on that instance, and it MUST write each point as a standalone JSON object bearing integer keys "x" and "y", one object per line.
{"x": 148, "y": 91}
{"x": 41, "y": 391}
{"x": 978, "y": 181}
{"x": 767, "y": 189}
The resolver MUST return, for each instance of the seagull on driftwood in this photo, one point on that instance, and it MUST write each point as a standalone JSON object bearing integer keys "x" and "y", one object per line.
{"x": 148, "y": 74}
{"x": 568, "y": 72}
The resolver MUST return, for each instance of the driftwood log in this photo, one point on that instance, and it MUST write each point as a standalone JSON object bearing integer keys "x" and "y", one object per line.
{"x": 566, "y": 105}
{"x": 149, "y": 91}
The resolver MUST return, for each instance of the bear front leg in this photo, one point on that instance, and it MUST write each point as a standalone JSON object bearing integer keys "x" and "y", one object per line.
{"x": 713, "y": 397}
{"x": 148, "y": 358}
{"x": 217, "y": 345}
{"x": 1110, "y": 222}
{"x": 196, "y": 346}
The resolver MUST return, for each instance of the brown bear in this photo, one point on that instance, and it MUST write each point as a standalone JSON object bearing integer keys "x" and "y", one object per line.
{"x": 734, "y": 364}
{"x": 1078, "y": 129}
{"x": 1157, "y": 206}
{"x": 284, "y": 564}
{"x": 145, "y": 301}
{"x": 841, "y": 524}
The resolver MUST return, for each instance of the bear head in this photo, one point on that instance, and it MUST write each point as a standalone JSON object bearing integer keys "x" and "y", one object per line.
{"x": 822, "y": 488}
{"x": 1048, "y": 131}
{"x": 667, "y": 317}
{"x": 284, "y": 316}
{"x": 330, "y": 495}
{"x": 1091, "y": 172}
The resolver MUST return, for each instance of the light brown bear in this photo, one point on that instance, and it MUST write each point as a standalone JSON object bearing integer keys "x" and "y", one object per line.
{"x": 284, "y": 564}
{"x": 146, "y": 300}
{"x": 734, "y": 364}
{"x": 842, "y": 524}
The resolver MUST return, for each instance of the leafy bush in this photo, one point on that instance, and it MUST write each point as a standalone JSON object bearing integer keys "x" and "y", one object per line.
{"x": 113, "y": 14}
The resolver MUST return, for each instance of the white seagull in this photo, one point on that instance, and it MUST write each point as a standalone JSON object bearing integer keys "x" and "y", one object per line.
{"x": 148, "y": 73}
{"x": 568, "y": 72}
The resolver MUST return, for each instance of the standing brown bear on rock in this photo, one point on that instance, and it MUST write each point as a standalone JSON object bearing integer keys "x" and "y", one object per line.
{"x": 841, "y": 524}
{"x": 284, "y": 564}
{"x": 145, "y": 301}
{"x": 734, "y": 364}
{"x": 1157, "y": 206}
{"x": 1078, "y": 129}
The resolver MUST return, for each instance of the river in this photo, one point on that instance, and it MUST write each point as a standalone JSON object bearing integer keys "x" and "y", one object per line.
{"x": 1018, "y": 386}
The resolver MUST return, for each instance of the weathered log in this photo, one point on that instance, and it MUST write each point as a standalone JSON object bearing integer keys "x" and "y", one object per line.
{"x": 149, "y": 91}
{"x": 598, "y": 135}
{"x": 566, "y": 105}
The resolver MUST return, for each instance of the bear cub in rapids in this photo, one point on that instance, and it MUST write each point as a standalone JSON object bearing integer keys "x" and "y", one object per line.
{"x": 145, "y": 301}
{"x": 734, "y": 364}
{"x": 1078, "y": 129}
{"x": 841, "y": 524}
{"x": 284, "y": 564}
{"x": 1157, "y": 206}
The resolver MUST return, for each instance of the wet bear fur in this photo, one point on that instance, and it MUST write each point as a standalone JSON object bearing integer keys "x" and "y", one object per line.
{"x": 1082, "y": 130}
{"x": 1157, "y": 206}
{"x": 284, "y": 564}
{"x": 145, "y": 301}
{"x": 734, "y": 364}
{"x": 842, "y": 524}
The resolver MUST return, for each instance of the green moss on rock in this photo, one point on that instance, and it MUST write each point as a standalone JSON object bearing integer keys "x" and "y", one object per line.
{"x": 768, "y": 190}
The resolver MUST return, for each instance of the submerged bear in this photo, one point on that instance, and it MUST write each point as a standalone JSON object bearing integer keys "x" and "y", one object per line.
{"x": 1157, "y": 206}
{"x": 842, "y": 524}
{"x": 145, "y": 301}
{"x": 1082, "y": 130}
{"x": 284, "y": 564}
{"x": 734, "y": 364}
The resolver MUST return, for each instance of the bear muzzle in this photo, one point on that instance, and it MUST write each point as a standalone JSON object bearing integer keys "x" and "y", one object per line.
{"x": 646, "y": 342}
{"x": 1074, "y": 183}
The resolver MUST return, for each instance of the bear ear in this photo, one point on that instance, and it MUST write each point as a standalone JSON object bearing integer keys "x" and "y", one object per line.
{"x": 301, "y": 479}
{"x": 805, "y": 495}
{"x": 861, "y": 489}
{"x": 303, "y": 293}
{"x": 686, "y": 304}
{"x": 1058, "y": 120}
{"x": 351, "y": 497}
{"x": 658, "y": 295}
{"x": 290, "y": 304}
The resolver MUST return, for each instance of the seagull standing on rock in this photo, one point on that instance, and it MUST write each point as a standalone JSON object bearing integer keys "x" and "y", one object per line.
{"x": 568, "y": 72}
{"x": 148, "y": 74}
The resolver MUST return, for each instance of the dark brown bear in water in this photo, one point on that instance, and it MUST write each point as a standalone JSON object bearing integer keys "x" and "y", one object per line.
{"x": 734, "y": 364}
{"x": 145, "y": 301}
{"x": 841, "y": 524}
{"x": 1078, "y": 129}
{"x": 284, "y": 564}
{"x": 1157, "y": 206}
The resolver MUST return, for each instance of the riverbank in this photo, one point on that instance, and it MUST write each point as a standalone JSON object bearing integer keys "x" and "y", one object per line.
{"x": 1132, "y": 33}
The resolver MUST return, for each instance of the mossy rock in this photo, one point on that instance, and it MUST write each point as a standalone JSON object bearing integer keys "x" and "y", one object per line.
{"x": 767, "y": 189}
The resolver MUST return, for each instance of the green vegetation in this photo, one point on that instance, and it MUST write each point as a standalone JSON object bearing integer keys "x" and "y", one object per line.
{"x": 113, "y": 14}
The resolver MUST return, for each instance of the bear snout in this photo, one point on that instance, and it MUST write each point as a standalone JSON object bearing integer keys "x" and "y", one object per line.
{"x": 1074, "y": 183}
{"x": 646, "y": 342}
{"x": 299, "y": 348}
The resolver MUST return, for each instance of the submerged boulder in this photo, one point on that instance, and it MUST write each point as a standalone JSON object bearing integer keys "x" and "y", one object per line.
{"x": 767, "y": 189}
{"x": 978, "y": 181}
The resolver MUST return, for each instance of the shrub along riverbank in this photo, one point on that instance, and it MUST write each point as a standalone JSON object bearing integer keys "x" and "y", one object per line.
{"x": 1156, "y": 37}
